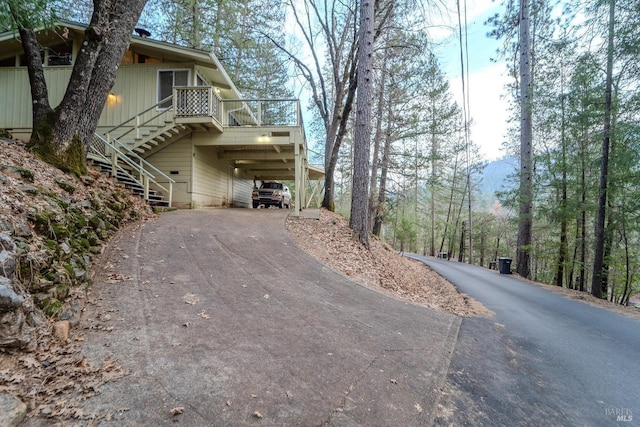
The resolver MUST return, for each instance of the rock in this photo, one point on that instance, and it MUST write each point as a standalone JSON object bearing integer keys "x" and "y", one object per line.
{"x": 14, "y": 332}
{"x": 72, "y": 315}
{"x": 40, "y": 285}
{"x": 61, "y": 330}
{"x": 21, "y": 229}
{"x": 9, "y": 300}
{"x": 15, "y": 227}
{"x": 8, "y": 256}
{"x": 29, "y": 189}
{"x": 65, "y": 315}
{"x": 41, "y": 260}
{"x": 13, "y": 411}
{"x": 64, "y": 247}
{"x": 6, "y": 226}
{"x": 17, "y": 172}
{"x": 65, "y": 185}
{"x": 80, "y": 274}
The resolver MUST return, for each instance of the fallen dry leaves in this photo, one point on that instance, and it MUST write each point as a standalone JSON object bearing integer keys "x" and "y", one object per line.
{"x": 331, "y": 241}
{"x": 53, "y": 380}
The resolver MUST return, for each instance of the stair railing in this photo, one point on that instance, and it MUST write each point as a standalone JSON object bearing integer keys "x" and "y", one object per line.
{"x": 98, "y": 148}
{"x": 138, "y": 118}
{"x": 145, "y": 166}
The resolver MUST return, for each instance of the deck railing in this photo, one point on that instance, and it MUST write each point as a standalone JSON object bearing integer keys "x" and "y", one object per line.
{"x": 261, "y": 112}
{"x": 203, "y": 101}
{"x": 196, "y": 101}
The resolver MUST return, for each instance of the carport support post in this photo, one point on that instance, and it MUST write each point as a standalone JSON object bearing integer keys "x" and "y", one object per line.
{"x": 305, "y": 181}
{"x": 298, "y": 178}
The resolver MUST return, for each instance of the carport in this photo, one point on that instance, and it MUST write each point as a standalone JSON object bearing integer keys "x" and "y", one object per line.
{"x": 269, "y": 153}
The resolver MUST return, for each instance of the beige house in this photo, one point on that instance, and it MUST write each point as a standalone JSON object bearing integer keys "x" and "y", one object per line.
{"x": 174, "y": 121}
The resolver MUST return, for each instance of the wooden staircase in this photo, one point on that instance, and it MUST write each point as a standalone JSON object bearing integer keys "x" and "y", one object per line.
{"x": 154, "y": 198}
{"x": 120, "y": 152}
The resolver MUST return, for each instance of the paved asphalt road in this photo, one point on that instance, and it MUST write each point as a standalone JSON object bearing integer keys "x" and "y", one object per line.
{"x": 543, "y": 359}
{"x": 219, "y": 312}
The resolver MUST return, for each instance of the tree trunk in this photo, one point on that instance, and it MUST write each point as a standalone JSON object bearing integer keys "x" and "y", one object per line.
{"x": 41, "y": 109}
{"x": 598, "y": 278}
{"x": 624, "y": 300}
{"x": 463, "y": 227}
{"x": 336, "y": 131}
{"x": 382, "y": 192}
{"x": 574, "y": 258}
{"x": 462, "y": 239}
{"x": 583, "y": 238}
{"x": 563, "y": 248}
{"x": 384, "y": 169}
{"x": 526, "y": 136}
{"x": 359, "y": 221}
{"x": 450, "y": 208}
{"x": 61, "y": 136}
{"x": 374, "y": 206}
{"x": 435, "y": 148}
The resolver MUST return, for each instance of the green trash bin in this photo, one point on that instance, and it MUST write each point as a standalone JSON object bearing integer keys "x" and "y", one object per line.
{"x": 504, "y": 265}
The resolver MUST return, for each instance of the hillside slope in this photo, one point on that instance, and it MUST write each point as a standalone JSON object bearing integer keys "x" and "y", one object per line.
{"x": 53, "y": 228}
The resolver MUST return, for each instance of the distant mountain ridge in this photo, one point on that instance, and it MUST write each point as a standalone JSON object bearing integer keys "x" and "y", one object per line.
{"x": 498, "y": 175}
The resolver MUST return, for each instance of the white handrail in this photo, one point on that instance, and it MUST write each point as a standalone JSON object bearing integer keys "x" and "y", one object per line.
{"x": 146, "y": 176}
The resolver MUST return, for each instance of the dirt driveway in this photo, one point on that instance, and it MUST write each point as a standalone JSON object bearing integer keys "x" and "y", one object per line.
{"x": 218, "y": 312}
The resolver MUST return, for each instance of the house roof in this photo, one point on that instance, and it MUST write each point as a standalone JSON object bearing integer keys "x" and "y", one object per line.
{"x": 210, "y": 66}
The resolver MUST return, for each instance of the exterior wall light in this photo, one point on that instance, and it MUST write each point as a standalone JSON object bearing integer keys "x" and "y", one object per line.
{"x": 112, "y": 99}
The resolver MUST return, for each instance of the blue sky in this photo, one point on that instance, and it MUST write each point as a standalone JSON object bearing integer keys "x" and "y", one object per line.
{"x": 487, "y": 79}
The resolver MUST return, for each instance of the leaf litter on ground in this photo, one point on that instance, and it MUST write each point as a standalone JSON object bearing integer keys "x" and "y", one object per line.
{"x": 380, "y": 267}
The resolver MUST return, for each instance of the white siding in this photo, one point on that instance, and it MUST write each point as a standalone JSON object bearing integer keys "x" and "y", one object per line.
{"x": 15, "y": 94}
{"x": 211, "y": 179}
{"x": 135, "y": 90}
{"x": 242, "y": 192}
{"x": 177, "y": 158}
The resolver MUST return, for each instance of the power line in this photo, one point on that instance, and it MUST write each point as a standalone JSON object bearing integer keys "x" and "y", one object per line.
{"x": 464, "y": 75}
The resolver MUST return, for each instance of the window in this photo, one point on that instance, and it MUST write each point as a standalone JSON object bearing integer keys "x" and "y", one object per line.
{"x": 167, "y": 79}
{"x": 8, "y": 62}
{"x": 60, "y": 54}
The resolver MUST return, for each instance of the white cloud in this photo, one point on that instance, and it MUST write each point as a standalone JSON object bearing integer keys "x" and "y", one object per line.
{"x": 486, "y": 88}
{"x": 488, "y": 108}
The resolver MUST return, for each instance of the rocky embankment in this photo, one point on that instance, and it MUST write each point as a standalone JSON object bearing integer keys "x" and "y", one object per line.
{"x": 52, "y": 227}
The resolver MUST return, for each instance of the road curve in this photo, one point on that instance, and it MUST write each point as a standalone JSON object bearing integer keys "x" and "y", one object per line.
{"x": 218, "y": 311}
{"x": 543, "y": 359}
